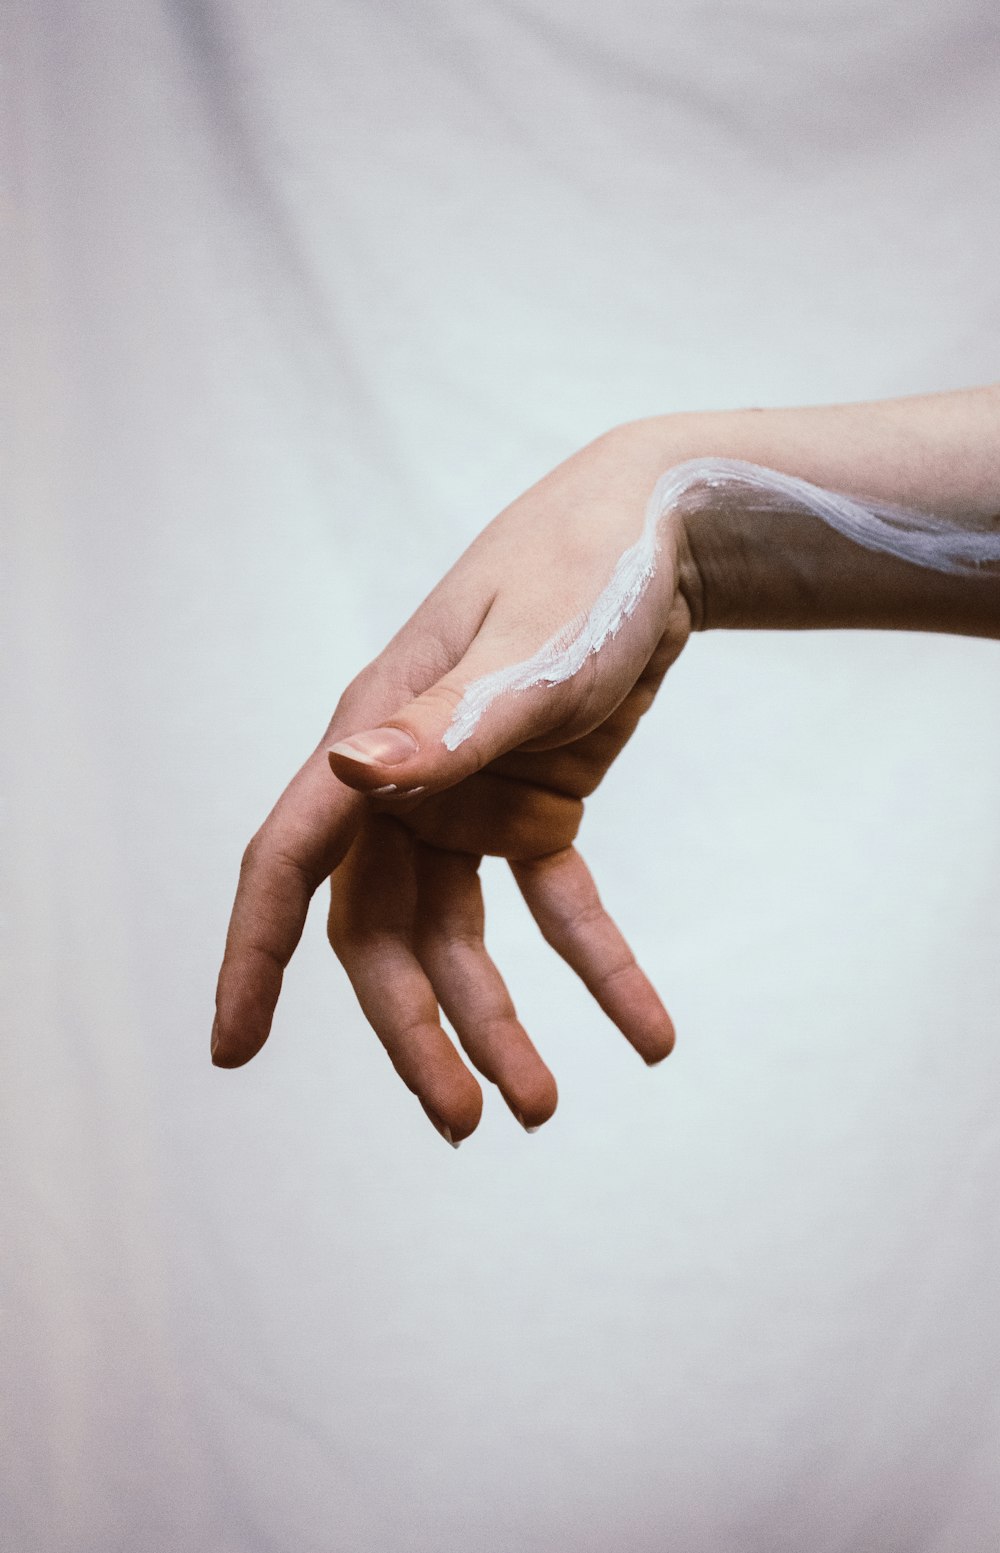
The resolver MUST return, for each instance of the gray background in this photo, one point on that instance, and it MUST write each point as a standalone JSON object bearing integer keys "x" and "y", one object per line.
{"x": 295, "y": 298}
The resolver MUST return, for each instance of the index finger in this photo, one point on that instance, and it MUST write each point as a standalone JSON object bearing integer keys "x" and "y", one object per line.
{"x": 299, "y": 845}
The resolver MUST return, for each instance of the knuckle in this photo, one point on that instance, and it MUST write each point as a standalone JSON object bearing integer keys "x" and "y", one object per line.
{"x": 338, "y": 932}
{"x": 354, "y": 698}
{"x": 449, "y": 949}
{"x": 586, "y": 915}
{"x": 550, "y": 826}
{"x": 613, "y": 974}
{"x": 444, "y": 695}
{"x": 421, "y": 660}
{"x": 474, "y": 757}
{"x": 252, "y": 852}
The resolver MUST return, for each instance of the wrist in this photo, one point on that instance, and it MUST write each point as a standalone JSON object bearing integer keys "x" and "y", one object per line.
{"x": 762, "y": 545}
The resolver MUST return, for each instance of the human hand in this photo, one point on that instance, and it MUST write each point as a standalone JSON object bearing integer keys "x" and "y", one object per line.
{"x": 427, "y": 779}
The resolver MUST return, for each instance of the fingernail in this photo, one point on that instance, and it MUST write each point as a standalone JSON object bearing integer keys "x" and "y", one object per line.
{"x": 380, "y": 792}
{"x": 379, "y": 747}
{"x": 444, "y": 1130}
{"x": 524, "y": 1123}
{"x": 215, "y": 1036}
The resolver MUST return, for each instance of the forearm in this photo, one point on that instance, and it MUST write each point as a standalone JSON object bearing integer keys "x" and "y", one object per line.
{"x": 770, "y": 563}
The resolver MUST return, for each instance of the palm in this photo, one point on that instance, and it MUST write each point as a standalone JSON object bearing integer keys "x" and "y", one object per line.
{"x": 528, "y": 803}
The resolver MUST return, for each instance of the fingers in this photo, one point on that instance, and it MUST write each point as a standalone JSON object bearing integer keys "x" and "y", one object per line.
{"x": 562, "y": 897}
{"x": 449, "y": 943}
{"x": 489, "y": 815}
{"x": 297, "y": 847}
{"x": 407, "y": 924}
{"x": 506, "y": 691}
{"x": 373, "y": 904}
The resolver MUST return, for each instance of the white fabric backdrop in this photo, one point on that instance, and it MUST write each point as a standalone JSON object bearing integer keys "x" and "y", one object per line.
{"x": 296, "y": 297}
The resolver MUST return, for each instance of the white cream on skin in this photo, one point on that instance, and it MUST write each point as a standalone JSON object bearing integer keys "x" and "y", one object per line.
{"x": 911, "y": 536}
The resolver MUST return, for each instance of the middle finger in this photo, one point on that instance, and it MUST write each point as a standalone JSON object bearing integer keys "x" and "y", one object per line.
{"x": 373, "y": 903}
{"x": 450, "y": 946}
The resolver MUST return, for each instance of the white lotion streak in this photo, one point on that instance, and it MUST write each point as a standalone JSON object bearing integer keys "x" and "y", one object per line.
{"x": 912, "y": 536}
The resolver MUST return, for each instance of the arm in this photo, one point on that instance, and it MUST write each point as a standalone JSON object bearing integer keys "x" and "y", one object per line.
{"x": 761, "y": 563}
{"x": 498, "y": 707}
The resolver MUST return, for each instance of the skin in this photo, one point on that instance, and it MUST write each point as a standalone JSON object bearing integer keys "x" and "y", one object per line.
{"x": 406, "y": 911}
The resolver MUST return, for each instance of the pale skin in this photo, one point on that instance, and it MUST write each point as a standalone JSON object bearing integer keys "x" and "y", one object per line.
{"x": 406, "y": 911}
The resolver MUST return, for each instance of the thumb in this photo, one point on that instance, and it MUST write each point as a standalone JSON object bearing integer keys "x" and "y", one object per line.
{"x": 486, "y": 705}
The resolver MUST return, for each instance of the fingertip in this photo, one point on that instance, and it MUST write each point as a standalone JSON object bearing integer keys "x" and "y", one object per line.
{"x": 531, "y": 1119}
{"x": 234, "y": 1049}
{"x": 657, "y": 1048}
{"x": 353, "y": 774}
{"x": 369, "y": 781}
{"x": 360, "y": 760}
{"x": 362, "y": 777}
{"x": 461, "y": 1123}
{"x": 451, "y": 1098}
{"x": 237, "y": 1059}
{"x": 443, "y": 1128}
{"x": 536, "y": 1103}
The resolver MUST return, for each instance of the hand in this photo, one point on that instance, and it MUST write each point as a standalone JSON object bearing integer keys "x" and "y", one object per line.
{"x": 406, "y": 914}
